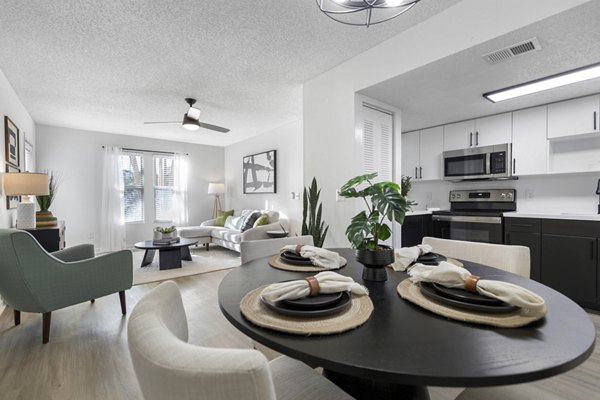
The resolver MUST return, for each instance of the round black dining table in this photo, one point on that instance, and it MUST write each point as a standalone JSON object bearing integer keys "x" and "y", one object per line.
{"x": 404, "y": 348}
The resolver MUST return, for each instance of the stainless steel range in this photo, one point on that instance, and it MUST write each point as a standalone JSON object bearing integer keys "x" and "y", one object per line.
{"x": 475, "y": 215}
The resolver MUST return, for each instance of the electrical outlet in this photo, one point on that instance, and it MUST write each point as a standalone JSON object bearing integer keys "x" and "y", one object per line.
{"x": 91, "y": 235}
{"x": 529, "y": 194}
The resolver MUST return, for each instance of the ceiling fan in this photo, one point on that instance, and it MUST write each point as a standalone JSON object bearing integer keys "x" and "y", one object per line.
{"x": 191, "y": 120}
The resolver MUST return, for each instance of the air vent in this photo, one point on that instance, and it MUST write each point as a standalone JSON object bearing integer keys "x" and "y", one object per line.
{"x": 516, "y": 49}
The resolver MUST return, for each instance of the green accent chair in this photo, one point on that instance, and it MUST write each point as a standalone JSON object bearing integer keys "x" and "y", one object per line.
{"x": 33, "y": 280}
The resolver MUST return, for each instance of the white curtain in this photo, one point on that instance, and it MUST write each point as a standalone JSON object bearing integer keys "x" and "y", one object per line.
{"x": 180, "y": 202}
{"x": 112, "y": 223}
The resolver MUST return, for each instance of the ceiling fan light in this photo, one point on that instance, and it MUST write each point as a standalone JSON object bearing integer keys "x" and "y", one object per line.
{"x": 364, "y": 12}
{"x": 189, "y": 123}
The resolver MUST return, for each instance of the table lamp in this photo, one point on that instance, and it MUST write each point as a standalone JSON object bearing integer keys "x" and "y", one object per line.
{"x": 216, "y": 189}
{"x": 25, "y": 184}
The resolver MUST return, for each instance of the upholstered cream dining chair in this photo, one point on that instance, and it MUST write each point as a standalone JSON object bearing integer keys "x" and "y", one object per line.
{"x": 168, "y": 367}
{"x": 513, "y": 259}
{"x": 253, "y": 249}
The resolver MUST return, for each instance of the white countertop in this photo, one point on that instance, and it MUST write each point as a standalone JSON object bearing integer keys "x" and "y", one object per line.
{"x": 423, "y": 212}
{"x": 572, "y": 216}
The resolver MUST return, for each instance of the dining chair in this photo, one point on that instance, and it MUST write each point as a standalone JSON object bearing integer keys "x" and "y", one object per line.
{"x": 33, "y": 280}
{"x": 513, "y": 259}
{"x": 168, "y": 367}
{"x": 253, "y": 249}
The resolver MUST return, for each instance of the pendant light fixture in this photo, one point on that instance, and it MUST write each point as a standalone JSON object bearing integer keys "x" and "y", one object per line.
{"x": 364, "y": 12}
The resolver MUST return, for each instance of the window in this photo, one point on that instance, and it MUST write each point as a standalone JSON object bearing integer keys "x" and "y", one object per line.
{"x": 132, "y": 167}
{"x": 28, "y": 157}
{"x": 164, "y": 188}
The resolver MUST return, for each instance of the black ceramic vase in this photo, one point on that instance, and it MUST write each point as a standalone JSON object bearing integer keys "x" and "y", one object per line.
{"x": 375, "y": 262}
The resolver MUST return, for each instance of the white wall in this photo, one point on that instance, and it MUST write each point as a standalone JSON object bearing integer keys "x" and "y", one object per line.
{"x": 77, "y": 154}
{"x": 11, "y": 106}
{"x": 568, "y": 193}
{"x": 329, "y": 99}
{"x": 287, "y": 140}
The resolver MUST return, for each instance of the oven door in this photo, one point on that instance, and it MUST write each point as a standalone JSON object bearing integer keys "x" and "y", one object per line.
{"x": 470, "y": 228}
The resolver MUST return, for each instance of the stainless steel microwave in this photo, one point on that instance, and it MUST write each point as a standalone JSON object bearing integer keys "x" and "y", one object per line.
{"x": 485, "y": 162}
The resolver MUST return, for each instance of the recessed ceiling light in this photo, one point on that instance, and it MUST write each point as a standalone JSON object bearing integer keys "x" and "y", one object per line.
{"x": 550, "y": 82}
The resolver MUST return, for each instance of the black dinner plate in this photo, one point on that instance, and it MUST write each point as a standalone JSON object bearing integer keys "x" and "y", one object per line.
{"x": 282, "y": 307}
{"x": 465, "y": 296}
{"x": 314, "y": 302}
{"x": 431, "y": 259}
{"x": 429, "y": 291}
{"x": 293, "y": 258}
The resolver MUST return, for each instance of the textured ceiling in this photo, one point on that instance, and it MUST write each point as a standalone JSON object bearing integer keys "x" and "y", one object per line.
{"x": 451, "y": 89}
{"x": 111, "y": 65}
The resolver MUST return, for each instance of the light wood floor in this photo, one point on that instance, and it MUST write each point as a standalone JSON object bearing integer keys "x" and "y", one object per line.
{"x": 87, "y": 357}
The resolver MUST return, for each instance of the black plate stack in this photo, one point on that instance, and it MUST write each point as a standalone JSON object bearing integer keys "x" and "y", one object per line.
{"x": 315, "y": 306}
{"x": 460, "y": 298}
{"x": 290, "y": 257}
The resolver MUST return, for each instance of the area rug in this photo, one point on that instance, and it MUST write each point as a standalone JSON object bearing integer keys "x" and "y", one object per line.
{"x": 218, "y": 258}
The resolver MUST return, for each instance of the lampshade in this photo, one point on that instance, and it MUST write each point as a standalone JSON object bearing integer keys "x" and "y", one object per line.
{"x": 216, "y": 188}
{"x": 598, "y": 189}
{"x": 25, "y": 183}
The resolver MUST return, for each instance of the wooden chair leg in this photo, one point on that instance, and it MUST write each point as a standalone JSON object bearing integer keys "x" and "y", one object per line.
{"x": 46, "y": 327}
{"x": 92, "y": 301}
{"x": 123, "y": 303}
{"x": 17, "y": 314}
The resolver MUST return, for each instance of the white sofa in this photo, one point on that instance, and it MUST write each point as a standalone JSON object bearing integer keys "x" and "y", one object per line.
{"x": 207, "y": 232}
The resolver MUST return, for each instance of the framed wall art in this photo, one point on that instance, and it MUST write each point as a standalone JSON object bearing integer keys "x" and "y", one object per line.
{"x": 260, "y": 172}
{"x": 11, "y": 142}
{"x": 12, "y": 201}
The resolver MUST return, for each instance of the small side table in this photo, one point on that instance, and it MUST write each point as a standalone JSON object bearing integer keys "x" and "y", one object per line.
{"x": 51, "y": 238}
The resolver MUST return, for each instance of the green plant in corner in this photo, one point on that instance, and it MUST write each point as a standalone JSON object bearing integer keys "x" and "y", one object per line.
{"x": 312, "y": 210}
{"x": 383, "y": 200}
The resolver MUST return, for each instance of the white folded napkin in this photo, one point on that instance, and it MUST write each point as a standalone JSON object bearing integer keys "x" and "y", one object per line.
{"x": 329, "y": 282}
{"x": 319, "y": 257}
{"x": 407, "y": 255}
{"x": 454, "y": 277}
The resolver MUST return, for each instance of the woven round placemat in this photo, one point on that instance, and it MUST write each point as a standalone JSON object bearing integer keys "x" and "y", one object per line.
{"x": 276, "y": 262}
{"x": 412, "y": 292}
{"x": 256, "y": 312}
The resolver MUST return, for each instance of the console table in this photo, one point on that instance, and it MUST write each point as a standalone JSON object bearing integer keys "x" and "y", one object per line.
{"x": 51, "y": 238}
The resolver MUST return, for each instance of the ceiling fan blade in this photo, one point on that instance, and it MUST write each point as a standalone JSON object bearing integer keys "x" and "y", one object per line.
{"x": 151, "y": 123}
{"x": 213, "y": 127}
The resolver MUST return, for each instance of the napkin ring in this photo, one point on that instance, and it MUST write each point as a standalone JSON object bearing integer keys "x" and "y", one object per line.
{"x": 313, "y": 284}
{"x": 298, "y": 248}
{"x": 471, "y": 283}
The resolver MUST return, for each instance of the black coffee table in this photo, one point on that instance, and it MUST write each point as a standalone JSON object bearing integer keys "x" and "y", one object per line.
{"x": 170, "y": 255}
{"x": 403, "y": 348}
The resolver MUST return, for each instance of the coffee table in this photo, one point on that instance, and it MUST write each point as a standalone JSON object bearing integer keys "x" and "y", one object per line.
{"x": 170, "y": 255}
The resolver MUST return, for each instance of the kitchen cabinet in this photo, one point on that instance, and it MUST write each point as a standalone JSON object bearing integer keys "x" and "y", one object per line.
{"x": 487, "y": 131}
{"x": 574, "y": 117}
{"x": 526, "y": 232}
{"x": 414, "y": 228}
{"x": 529, "y": 143}
{"x": 422, "y": 153}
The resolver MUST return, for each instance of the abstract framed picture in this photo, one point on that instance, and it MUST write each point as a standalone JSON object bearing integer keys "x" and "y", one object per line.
{"x": 12, "y": 201}
{"x": 11, "y": 144}
{"x": 260, "y": 172}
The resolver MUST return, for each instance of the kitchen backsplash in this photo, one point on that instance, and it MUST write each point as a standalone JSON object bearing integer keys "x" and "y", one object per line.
{"x": 569, "y": 193}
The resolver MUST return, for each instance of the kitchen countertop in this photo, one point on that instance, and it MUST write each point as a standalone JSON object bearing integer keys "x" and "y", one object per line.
{"x": 571, "y": 216}
{"x": 422, "y": 212}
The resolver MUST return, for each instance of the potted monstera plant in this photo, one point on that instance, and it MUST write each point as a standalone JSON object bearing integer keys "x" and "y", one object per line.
{"x": 385, "y": 202}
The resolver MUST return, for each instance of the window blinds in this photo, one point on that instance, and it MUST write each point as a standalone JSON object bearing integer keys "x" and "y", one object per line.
{"x": 164, "y": 188}
{"x": 132, "y": 167}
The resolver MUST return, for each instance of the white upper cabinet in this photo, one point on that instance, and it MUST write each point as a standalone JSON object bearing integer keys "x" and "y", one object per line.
{"x": 496, "y": 129}
{"x": 430, "y": 154}
{"x": 410, "y": 154}
{"x": 573, "y": 117}
{"x": 529, "y": 144}
{"x": 459, "y": 135}
{"x": 422, "y": 153}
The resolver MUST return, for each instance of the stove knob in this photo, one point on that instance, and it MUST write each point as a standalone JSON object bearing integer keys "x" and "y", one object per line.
{"x": 452, "y": 196}
{"x": 502, "y": 195}
{"x": 510, "y": 195}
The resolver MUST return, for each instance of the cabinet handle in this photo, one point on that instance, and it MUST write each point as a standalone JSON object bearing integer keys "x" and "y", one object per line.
{"x": 471, "y": 139}
{"x": 592, "y": 245}
{"x": 595, "y": 120}
{"x": 514, "y": 165}
{"x": 507, "y": 241}
{"x": 416, "y": 176}
{"x": 420, "y": 172}
{"x": 476, "y": 138}
{"x": 523, "y": 225}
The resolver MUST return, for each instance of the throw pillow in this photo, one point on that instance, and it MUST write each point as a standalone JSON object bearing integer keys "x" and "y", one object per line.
{"x": 250, "y": 220}
{"x": 262, "y": 220}
{"x": 222, "y": 216}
